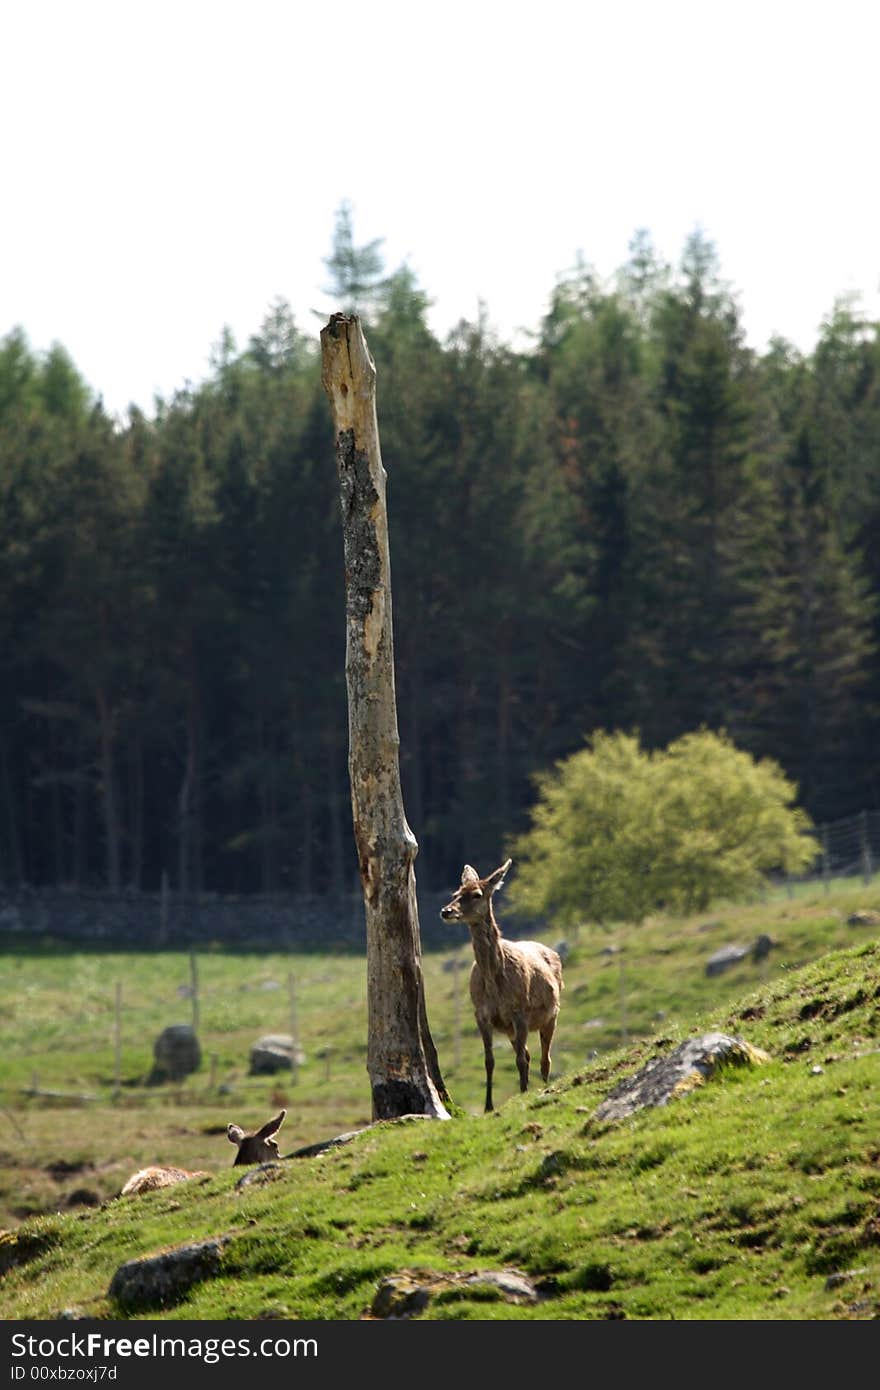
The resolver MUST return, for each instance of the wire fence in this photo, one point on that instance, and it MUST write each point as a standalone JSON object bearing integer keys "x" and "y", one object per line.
{"x": 848, "y": 848}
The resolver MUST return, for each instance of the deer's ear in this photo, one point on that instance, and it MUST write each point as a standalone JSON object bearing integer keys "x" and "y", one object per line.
{"x": 234, "y": 1133}
{"x": 270, "y": 1126}
{"x": 496, "y": 879}
{"x": 469, "y": 877}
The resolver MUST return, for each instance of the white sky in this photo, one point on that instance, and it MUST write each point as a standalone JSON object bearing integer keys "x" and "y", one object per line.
{"x": 170, "y": 168}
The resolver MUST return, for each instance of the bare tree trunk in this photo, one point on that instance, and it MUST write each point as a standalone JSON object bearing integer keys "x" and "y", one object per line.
{"x": 401, "y": 1058}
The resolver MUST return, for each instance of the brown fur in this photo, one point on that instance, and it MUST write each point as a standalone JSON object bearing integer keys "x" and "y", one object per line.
{"x": 515, "y": 985}
{"x": 148, "y": 1179}
{"x": 258, "y": 1147}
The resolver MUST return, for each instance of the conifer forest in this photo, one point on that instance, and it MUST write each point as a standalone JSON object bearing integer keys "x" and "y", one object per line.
{"x": 635, "y": 522}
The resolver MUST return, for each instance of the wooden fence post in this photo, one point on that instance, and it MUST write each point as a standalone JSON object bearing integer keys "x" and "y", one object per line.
{"x": 864, "y": 838}
{"x": 194, "y": 990}
{"x": 117, "y": 1042}
{"x": 294, "y": 1034}
{"x": 456, "y": 1023}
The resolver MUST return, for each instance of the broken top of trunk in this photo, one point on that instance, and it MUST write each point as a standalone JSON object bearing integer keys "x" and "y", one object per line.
{"x": 401, "y": 1058}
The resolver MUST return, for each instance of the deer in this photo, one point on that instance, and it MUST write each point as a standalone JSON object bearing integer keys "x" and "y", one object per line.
{"x": 515, "y": 986}
{"x": 258, "y": 1147}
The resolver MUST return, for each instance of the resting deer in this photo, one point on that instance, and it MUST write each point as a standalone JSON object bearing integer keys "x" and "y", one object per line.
{"x": 258, "y": 1147}
{"x": 515, "y": 986}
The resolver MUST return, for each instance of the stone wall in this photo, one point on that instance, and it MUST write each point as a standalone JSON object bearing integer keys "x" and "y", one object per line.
{"x": 143, "y": 921}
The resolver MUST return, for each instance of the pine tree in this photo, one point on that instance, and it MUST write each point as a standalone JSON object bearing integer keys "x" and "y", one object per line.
{"x": 356, "y": 272}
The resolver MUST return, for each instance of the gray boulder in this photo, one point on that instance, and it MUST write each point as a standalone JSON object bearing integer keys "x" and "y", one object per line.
{"x": 689, "y": 1065}
{"x": 863, "y": 917}
{"x": 408, "y": 1293}
{"x": 722, "y": 960}
{"x": 158, "y": 1281}
{"x": 275, "y": 1052}
{"x": 176, "y": 1053}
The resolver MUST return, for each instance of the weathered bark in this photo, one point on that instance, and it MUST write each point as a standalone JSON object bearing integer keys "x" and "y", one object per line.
{"x": 401, "y": 1059}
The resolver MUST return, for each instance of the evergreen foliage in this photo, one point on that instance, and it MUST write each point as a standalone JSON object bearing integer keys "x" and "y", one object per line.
{"x": 639, "y": 523}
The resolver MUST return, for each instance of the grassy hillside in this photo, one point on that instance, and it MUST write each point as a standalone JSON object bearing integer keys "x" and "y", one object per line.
{"x": 745, "y": 1200}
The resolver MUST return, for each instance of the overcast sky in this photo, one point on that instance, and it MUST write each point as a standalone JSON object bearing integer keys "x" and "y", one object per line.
{"x": 171, "y": 168}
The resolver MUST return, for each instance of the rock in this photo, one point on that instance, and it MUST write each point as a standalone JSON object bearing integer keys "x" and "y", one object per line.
{"x": 863, "y": 918}
{"x": 275, "y": 1052}
{"x": 762, "y": 946}
{"x": 176, "y": 1053}
{"x": 324, "y": 1145}
{"x": 510, "y": 1284}
{"x": 835, "y": 1280}
{"x": 689, "y": 1065}
{"x": 401, "y": 1295}
{"x": 259, "y": 1176}
{"x": 409, "y": 1292}
{"x": 722, "y": 960}
{"x": 161, "y": 1280}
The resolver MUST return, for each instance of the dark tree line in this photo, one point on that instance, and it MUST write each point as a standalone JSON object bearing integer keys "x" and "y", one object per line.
{"x": 639, "y": 523}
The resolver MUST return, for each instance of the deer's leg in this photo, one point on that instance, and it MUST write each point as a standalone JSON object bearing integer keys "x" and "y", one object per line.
{"x": 546, "y": 1038}
{"x": 520, "y": 1036}
{"x": 486, "y": 1035}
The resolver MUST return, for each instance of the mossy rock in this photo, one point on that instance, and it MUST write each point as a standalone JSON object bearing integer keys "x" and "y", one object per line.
{"x": 158, "y": 1281}
{"x": 689, "y": 1065}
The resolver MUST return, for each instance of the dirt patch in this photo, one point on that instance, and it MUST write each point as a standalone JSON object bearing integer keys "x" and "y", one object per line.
{"x": 60, "y": 1168}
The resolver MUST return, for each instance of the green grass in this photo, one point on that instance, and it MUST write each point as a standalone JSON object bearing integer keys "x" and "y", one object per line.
{"x": 738, "y": 1201}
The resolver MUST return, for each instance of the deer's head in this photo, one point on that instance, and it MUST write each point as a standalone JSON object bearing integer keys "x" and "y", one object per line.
{"x": 471, "y": 902}
{"x": 259, "y": 1147}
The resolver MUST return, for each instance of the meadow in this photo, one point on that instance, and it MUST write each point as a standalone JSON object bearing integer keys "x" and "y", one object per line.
{"x": 743, "y": 1201}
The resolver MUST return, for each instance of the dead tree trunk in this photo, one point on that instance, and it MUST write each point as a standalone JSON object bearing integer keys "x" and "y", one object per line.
{"x": 401, "y": 1058}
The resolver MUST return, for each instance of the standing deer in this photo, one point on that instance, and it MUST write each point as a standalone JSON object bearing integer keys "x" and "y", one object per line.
{"x": 258, "y": 1147}
{"x": 515, "y": 986}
